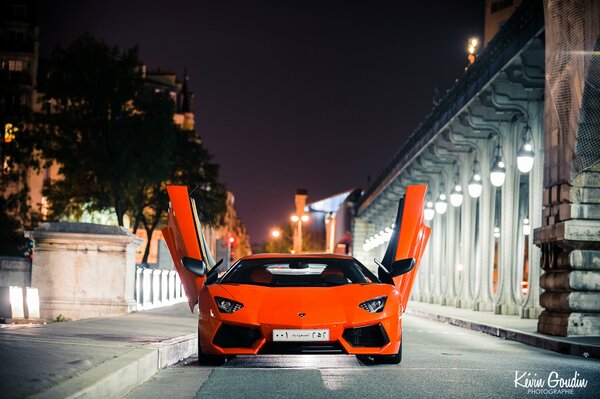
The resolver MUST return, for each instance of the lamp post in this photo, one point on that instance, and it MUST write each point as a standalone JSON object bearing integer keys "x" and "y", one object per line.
{"x": 299, "y": 217}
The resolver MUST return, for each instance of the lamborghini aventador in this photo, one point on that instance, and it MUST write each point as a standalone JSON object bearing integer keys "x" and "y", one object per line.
{"x": 304, "y": 303}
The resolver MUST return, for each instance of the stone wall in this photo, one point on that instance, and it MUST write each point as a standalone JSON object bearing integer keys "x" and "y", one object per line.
{"x": 83, "y": 270}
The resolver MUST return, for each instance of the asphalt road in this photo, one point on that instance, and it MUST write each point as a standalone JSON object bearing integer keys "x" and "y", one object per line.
{"x": 439, "y": 361}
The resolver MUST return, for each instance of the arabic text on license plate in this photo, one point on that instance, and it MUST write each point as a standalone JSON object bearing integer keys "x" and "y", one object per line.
{"x": 301, "y": 335}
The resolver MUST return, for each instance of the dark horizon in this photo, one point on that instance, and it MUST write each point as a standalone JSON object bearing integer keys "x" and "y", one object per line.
{"x": 288, "y": 95}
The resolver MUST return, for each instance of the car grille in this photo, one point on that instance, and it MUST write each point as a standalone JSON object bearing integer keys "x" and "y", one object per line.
{"x": 282, "y": 348}
{"x": 230, "y": 336}
{"x": 370, "y": 336}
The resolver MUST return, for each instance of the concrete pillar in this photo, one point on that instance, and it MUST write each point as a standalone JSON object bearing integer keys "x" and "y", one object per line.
{"x": 482, "y": 288}
{"x": 570, "y": 242}
{"x": 469, "y": 207}
{"x": 83, "y": 270}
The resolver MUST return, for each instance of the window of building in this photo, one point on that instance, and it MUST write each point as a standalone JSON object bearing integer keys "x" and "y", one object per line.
{"x": 16, "y": 11}
{"x": 15, "y": 65}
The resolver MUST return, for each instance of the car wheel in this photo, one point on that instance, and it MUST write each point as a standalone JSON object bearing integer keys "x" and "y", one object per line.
{"x": 389, "y": 359}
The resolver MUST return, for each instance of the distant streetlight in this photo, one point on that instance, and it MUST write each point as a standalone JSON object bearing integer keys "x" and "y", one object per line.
{"x": 472, "y": 49}
{"x": 498, "y": 171}
{"x": 304, "y": 218}
{"x": 275, "y": 233}
{"x": 441, "y": 205}
{"x": 295, "y": 218}
{"x": 429, "y": 213}
{"x": 475, "y": 187}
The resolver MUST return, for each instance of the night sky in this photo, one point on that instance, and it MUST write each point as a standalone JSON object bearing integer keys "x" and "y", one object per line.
{"x": 289, "y": 94}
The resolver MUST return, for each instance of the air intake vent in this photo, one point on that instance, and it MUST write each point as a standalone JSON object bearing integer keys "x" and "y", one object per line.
{"x": 370, "y": 336}
{"x": 230, "y": 336}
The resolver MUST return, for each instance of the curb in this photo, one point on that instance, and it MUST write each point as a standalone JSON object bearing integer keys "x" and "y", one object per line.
{"x": 550, "y": 343}
{"x": 117, "y": 377}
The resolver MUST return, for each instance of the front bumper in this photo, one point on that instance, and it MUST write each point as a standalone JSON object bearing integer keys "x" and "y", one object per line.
{"x": 379, "y": 336}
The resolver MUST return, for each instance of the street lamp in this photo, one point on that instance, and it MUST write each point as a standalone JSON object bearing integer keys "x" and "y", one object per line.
{"x": 475, "y": 187}
{"x": 441, "y": 205}
{"x": 275, "y": 233}
{"x": 525, "y": 155}
{"x": 456, "y": 196}
{"x": 472, "y": 49}
{"x": 526, "y": 227}
{"x": 498, "y": 171}
{"x": 303, "y": 218}
{"x": 429, "y": 213}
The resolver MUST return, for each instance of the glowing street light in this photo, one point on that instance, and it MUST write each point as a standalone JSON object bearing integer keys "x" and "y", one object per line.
{"x": 526, "y": 227}
{"x": 304, "y": 218}
{"x": 475, "y": 187}
{"x": 498, "y": 171}
{"x": 472, "y": 49}
{"x": 295, "y": 218}
{"x": 429, "y": 213}
{"x": 275, "y": 233}
{"x": 525, "y": 155}
{"x": 441, "y": 206}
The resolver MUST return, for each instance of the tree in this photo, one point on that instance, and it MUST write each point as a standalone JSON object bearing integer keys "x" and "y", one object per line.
{"x": 104, "y": 126}
{"x": 190, "y": 166}
{"x": 16, "y": 158}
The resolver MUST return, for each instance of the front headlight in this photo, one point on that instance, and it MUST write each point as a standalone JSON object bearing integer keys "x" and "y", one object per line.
{"x": 227, "y": 305}
{"x": 374, "y": 305}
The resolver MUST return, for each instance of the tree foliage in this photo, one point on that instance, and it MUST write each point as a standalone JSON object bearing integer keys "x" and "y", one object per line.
{"x": 115, "y": 140}
{"x": 104, "y": 124}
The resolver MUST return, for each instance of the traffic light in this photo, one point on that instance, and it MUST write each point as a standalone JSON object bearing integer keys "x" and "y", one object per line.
{"x": 29, "y": 249}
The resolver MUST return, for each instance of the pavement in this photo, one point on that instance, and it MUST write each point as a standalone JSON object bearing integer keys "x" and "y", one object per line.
{"x": 100, "y": 357}
{"x": 507, "y": 327}
{"x": 139, "y": 355}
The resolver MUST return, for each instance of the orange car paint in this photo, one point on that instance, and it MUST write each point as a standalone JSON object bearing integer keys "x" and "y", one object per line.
{"x": 334, "y": 308}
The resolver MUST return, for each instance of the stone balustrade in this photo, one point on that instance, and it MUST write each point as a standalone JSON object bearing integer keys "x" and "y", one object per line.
{"x": 157, "y": 287}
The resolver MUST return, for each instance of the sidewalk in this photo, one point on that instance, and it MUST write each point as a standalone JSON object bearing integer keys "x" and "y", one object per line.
{"x": 101, "y": 357}
{"x": 507, "y": 327}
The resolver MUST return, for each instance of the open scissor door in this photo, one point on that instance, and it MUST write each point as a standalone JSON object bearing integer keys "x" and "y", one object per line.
{"x": 409, "y": 238}
{"x": 185, "y": 238}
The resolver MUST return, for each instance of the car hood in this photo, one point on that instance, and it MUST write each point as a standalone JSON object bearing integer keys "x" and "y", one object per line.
{"x": 319, "y": 305}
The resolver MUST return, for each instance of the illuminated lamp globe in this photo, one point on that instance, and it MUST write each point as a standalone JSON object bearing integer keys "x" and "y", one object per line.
{"x": 498, "y": 172}
{"x": 456, "y": 196}
{"x": 429, "y": 213}
{"x": 475, "y": 187}
{"x": 441, "y": 206}
{"x": 525, "y": 158}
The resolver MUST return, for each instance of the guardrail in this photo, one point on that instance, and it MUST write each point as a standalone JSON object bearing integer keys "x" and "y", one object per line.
{"x": 157, "y": 287}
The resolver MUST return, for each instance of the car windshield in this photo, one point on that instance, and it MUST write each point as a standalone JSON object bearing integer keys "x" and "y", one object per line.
{"x": 298, "y": 272}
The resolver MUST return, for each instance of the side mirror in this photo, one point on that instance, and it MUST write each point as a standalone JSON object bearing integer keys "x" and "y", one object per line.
{"x": 402, "y": 266}
{"x": 196, "y": 266}
{"x": 213, "y": 274}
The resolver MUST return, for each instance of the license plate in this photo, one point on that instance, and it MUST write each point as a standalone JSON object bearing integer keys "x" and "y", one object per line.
{"x": 300, "y": 335}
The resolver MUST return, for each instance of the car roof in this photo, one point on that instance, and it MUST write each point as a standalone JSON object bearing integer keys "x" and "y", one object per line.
{"x": 296, "y": 256}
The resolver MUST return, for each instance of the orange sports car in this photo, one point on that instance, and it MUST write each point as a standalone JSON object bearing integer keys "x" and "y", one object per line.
{"x": 305, "y": 303}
